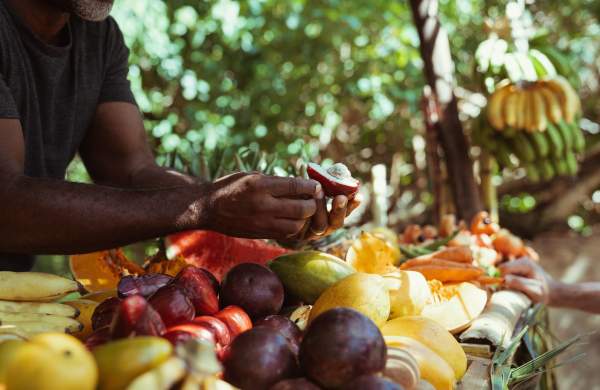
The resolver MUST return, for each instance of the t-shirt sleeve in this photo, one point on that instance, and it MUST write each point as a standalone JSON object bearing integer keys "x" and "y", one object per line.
{"x": 8, "y": 108}
{"x": 116, "y": 86}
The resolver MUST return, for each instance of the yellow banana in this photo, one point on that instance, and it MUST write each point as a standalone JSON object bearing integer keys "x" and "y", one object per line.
{"x": 57, "y": 309}
{"x": 538, "y": 110}
{"x": 527, "y": 111}
{"x": 569, "y": 101}
{"x": 519, "y": 103}
{"x": 511, "y": 108}
{"x": 552, "y": 104}
{"x": 34, "y": 286}
{"x": 164, "y": 376}
{"x": 495, "y": 106}
{"x": 32, "y": 328}
{"x": 68, "y": 323}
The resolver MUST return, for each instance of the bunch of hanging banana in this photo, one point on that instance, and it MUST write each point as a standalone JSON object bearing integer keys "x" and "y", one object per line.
{"x": 28, "y": 304}
{"x": 536, "y": 127}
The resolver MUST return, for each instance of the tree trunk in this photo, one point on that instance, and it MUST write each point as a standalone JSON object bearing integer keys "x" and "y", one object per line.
{"x": 439, "y": 72}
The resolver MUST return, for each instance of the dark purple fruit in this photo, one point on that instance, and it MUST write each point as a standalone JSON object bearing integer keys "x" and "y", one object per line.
{"x": 286, "y": 327}
{"x": 144, "y": 285}
{"x": 341, "y": 344}
{"x": 104, "y": 313}
{"x": 295, "y": 384}
{"x": 173, "y": 305}
{"x": 213, "y": 280}
{"x": 259, "y": 358}
{"x": 199, "y": 288}
{"x": 372, "y": 382}
{"x": 254, "y": 288}
{"x": 135, "y": 317}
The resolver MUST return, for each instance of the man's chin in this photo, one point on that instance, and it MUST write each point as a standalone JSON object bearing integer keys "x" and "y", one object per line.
{"x": 92, "y": 10}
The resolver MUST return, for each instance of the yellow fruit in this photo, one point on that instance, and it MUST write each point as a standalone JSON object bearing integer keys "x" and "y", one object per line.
{"x": 363, "y": 292}
{"x": 8, "y": 350}
{"x": 432, "y": 335}
{"x": 432, "y": 367}
{"x": 34, "y": 286}
{"x": 455, "y": 305}
{"x": 409, "y": 292}
{"x": 120, "y": 362}
{"x": 372, "y": 254}
{"x": 52, "y": 361}
{"x": 100, "y": 296}
{"x": 86, "y": 308}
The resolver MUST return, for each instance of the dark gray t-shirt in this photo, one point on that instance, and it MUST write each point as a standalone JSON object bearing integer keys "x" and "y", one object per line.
{"x": 54, "y": 90}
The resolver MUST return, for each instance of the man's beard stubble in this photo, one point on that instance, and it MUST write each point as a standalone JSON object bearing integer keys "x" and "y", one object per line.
{"x": 91, "y": 10}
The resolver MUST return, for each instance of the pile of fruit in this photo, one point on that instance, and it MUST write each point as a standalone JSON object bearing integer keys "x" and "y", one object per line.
{"x": 535, "y": 126}
{"x": 384, "y": 317}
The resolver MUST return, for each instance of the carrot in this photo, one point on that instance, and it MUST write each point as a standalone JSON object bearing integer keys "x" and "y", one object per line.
{"x": 487, "y": 280}
{"x": 459, "y": 254}
{"x": 448, "y": 274}
{"x": 419, "y": 262}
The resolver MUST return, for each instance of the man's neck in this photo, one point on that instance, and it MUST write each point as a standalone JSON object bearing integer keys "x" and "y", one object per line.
{"x": 46, "y": 21}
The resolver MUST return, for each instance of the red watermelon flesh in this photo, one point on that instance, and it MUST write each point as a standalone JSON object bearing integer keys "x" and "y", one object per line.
{"x": 218, "y": 252}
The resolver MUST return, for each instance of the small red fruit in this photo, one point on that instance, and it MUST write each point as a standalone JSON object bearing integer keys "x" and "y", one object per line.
{"x": 217, "y": 327}
{"x": 335, "y": 180}
{"x": 184, "y": 332}
{"x": 200, "y": 289}
{"x": 173, "y": 306}
{"x": 99, "y": 337}
{"x": 135, "y": 317}
{"x": 236, "y": 320}
{"x": 104, "y": 313}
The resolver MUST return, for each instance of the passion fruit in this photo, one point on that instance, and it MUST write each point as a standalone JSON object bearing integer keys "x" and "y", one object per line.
{"x": 336, "y": 180}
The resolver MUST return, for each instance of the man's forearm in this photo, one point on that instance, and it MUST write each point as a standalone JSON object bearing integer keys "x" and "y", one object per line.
{"x": 154, "y": 176}
{"x": 582, "y": 296}
{"x": 53, "y": 216}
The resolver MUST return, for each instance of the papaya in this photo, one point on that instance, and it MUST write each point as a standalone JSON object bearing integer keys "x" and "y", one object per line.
{"x": 433, "y": 368}
{"x": 365, "y": 293}
{"x": 409, "y": 293}
{"x": 455, "y": 305}
{"x": 306, "y": 275}
{"x": 433, "y": 336}
{"x": 372, "y": 254}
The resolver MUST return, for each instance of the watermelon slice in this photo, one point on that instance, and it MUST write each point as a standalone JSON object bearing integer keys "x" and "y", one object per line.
{"x": 218, "y": 252}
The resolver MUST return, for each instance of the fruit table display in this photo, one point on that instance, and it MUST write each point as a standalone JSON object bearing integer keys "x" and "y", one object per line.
{"x": 379, "y": 311}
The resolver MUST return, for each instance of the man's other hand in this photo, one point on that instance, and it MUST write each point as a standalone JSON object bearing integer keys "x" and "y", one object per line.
{"x": 530, "y": 278}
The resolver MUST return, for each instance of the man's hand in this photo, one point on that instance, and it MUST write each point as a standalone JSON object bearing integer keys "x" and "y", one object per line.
{"x": 324, "y": 223}
{"x": 258, "y": 206}
{"x": 530, "y": 278}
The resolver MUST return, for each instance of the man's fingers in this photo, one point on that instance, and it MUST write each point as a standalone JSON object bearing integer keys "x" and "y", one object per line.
{"x": 288, "y": 227}
{"x": 352, "y": 205}
{"x": 533, "y": 288}
{"x": 522, "y": 267}
{"x": 319, "y": 221}
{"x": 338, "y": 212}
{"x": 291, "y": 187}
{"x": 290, "y": 208}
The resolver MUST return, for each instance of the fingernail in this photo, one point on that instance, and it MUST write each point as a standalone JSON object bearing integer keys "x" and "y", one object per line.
{"x": 343, "y": 204}
{"x": 318, "y": 191}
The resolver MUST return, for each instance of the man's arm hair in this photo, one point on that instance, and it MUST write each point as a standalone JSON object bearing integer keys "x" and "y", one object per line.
{"x": 583, "y": 296}
{"x": 53, "y": 216}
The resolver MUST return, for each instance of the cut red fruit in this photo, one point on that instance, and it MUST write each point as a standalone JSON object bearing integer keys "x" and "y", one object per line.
{"x": 135, "y": 317}
{"x": 217, "y": 252}
{"x": 336, "y": 180}
{"x": 236, "y": 320}
{"x": 173, "y": 305}
{"x": 104, "y": 313}
{"x": 217, "y": 327}
{"x": 199, "y": 288}
{"x": 144, "y": 285}
{"x": 181, "y": 333}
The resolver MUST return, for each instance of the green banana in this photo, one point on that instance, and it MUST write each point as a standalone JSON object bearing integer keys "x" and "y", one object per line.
{"x": 533, "y": 173}
{"x": 540, "y": 144}
{"x": 523, "y": 148}
{"x": 503, "y": 155}
{"x": 571, "y": 161}
{"x": 546, "y": 170}
{"x": 555, "y": 140}
{"x": 566, "y": 133}
{"x": 509, "y": 132}
{"x": 578, "y": 138}
{"x": 560, "y": 166}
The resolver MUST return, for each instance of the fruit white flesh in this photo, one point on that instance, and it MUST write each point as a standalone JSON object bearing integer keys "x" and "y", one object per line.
{"x": 333, "y": 185}
{"x": 68, "y": 323}
{"x": 34, "y": 286}
{"x": 57, "y": 309}
{"x": 165, "y": 376}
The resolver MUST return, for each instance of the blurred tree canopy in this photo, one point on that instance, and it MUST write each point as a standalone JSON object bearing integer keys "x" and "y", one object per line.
{"x": 330, "y": 79}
